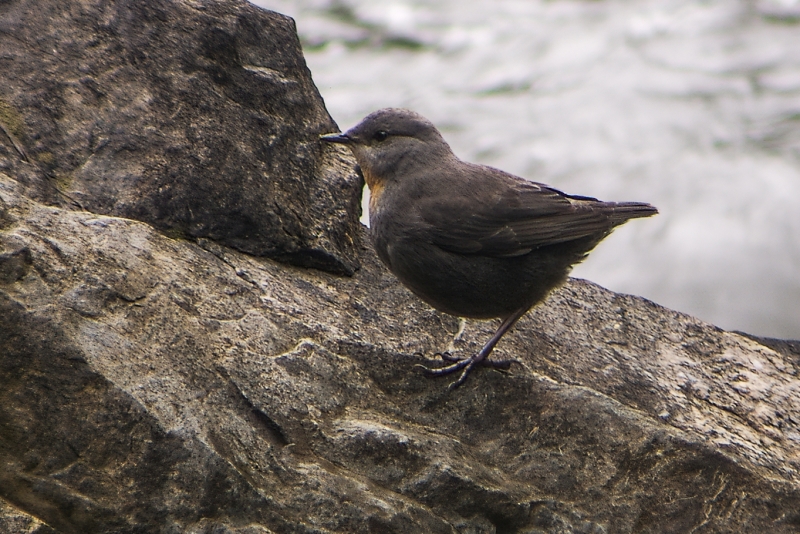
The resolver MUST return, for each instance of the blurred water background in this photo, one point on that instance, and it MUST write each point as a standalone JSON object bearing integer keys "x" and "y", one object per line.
{"x": 693, "y": 106}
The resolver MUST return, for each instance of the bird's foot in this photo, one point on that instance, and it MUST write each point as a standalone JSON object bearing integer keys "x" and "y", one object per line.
{"x": 465, "y": 365}
{"x": 503, "y": 365}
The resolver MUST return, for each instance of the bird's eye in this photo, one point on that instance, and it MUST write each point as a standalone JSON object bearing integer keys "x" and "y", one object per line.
{"x": 380, "y": 135}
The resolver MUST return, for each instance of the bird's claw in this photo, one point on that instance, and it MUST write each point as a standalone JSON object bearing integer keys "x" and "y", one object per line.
{"x": 503, "y": 365}
{"x": 467, "y": 364}
{"x": 446, "y": 356}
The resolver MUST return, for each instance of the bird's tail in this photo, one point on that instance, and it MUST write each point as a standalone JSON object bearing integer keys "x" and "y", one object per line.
{"x": 623, "y": 211}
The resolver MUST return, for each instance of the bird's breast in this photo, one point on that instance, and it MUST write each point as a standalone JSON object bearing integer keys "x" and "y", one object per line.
{"x": 376, "y": 188}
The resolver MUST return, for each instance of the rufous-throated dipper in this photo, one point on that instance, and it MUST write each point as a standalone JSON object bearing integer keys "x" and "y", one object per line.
{"x": 470, "y": 240}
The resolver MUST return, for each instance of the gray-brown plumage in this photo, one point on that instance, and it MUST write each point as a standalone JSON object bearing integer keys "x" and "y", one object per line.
{"x": 470, "y": 240}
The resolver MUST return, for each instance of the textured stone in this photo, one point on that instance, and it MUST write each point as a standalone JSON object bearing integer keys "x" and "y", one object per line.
{"x": 158, "y": 385}
{"x": 197, "y": 117}
{"x": 150, "y": 383}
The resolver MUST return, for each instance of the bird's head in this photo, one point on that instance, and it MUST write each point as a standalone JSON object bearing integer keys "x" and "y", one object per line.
{"x": 391, "y": 143}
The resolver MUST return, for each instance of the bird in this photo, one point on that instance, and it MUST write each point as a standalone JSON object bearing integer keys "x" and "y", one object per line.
{"x": 470, "y": 240}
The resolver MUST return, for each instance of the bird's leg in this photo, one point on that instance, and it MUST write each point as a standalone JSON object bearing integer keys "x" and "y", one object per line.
{"x": 446, "y": 356}
{"x": 462, "y": 326}
{"x": 468, "y": 364}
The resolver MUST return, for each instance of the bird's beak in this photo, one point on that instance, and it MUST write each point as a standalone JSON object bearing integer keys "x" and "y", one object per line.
{"x": 336, "y": 138}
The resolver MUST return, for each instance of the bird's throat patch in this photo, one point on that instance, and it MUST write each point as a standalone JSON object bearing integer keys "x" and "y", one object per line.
{"x": 375, "y": 190}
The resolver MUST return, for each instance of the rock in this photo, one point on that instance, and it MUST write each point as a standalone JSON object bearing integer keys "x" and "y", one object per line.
{"x": 18, "y": 522}
{"x": 150, "y": 383}
{"x": 159, "y": 384}
{"x": 199, "y": 118}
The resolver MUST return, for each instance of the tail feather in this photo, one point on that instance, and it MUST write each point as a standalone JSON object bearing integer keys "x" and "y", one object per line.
{"x": 623, "y": 211}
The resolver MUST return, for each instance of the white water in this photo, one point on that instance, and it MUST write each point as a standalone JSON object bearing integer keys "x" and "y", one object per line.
{"x": 693, "y": 106}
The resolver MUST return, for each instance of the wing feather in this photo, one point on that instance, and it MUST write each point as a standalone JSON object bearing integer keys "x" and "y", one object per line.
{"x": 512, "y": 220}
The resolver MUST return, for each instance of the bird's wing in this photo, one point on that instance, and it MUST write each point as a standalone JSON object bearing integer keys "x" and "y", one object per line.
{"x": 512, "y": 220}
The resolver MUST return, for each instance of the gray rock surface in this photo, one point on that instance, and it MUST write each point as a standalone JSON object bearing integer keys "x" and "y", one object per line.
{"x": 158, "y": 384}
{"x": 150, "y": 383}
{"x": 199, "y": 118}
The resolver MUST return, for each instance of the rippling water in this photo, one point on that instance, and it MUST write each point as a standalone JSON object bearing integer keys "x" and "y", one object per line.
{"x": 693, "y": 106}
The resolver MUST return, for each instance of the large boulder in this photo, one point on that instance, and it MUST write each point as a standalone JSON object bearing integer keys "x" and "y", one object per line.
{"x": 159, "y": 385}
{"x": 153, "y": 383}
{"x": 199, "y": 118}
